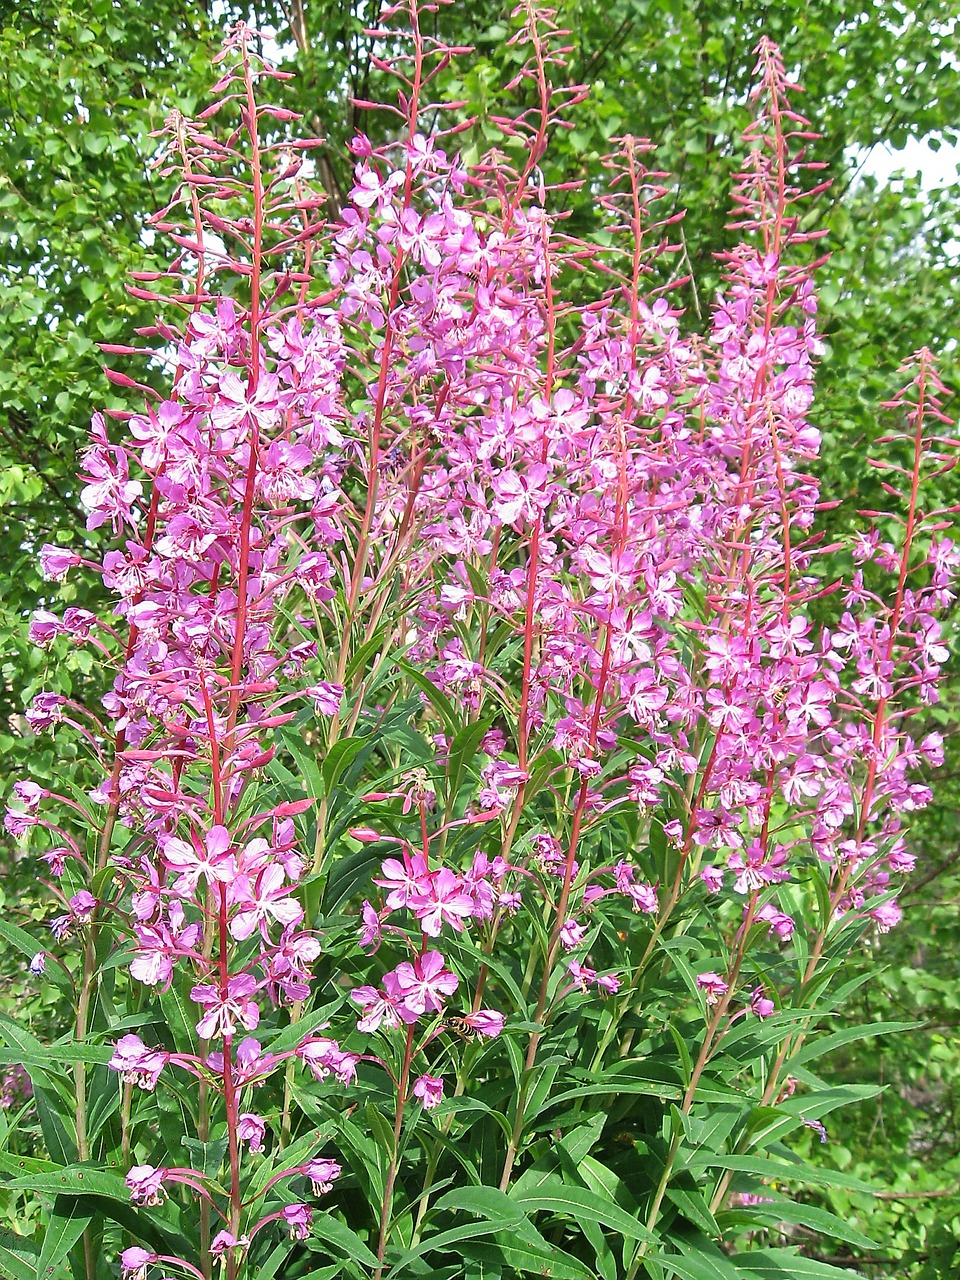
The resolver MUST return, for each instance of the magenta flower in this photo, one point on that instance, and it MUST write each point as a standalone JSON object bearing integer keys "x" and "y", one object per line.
{"x": 582, "y": 975}
{"x": 251, "y": 1128}
{"x": 226, "y": 1012}
{"x": 486, "y": 1023}
{"x": 887, "y": 916}
{"x": 402, "y": 879}
{"x": 136, "y": 1063}
{"x": 325, "y": 1057}
{"x": 440, "y": 899}
{"x": 250, "y": 1064}
{"x": 379, "y": 1009}
{"x": 572, "y": 935}
{"x": 134, "y": 1263}
{"x": 262, "y": 901}
{"x": 371, "y": 930}
{"x": 298, "y": 1218}
{"x": 422, "y": 985}
{"x": 712, "y": 986}
{"x": 146, "y": 1185}
{"x": 223, "y": 1241}
{"x": 322, "y": 1174}
{"x": 159, "y": 946}
{"x": 429, "y": 1089}
{"x": 56, "y": 562}
{"x": 45, "y": 711}
{"x": 780, "y": 923}
{"x": 326, "y": 697}
{"x": 761, "y": 1004}
{"x": 45, "y": 627}
{"x": 214, "y": 862}
{"x": 82, "y": 907}
{"x": 644, "y": 898}
{"x": 712, "y": 878}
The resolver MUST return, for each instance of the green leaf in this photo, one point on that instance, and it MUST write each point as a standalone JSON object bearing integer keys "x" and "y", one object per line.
{"x": 337, "y": 1233}
{"x": 575, "y": 1203}
{"x": 694, "y": 1208}
{"x": 440, "y": 702}
{"x": 28, "y": 946}
{"x": 809, "y": 1215}
{"x": 815, "y": 1048}
{"x": 18, "y": 1256}
{"x": 696, "y": 1266}
{"x": 339, "y": 758}
{"x": 785, "y": 1264}
{"x": 779, "y": 1170}
{"x": 60, "y": 1142}
{"x": 68, "y": 1221}
{"x": 77, "y": 1180}
{"x": 487, "y": 1202}
{"x": 519, "y": 1255}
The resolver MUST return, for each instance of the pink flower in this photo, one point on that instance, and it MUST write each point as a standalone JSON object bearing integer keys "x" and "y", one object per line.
{"x": 712, "y": 986}
{"x": 136, "y": 1063}
{"x": 887, "y": 916}
{"x": 261, "y": 901}
{"x": 780, "y": 923}
{"x": 644, "y": 898}
{"x": 145, "y": 1184}
{"x": 582, "y": 976}
{"x": 225, "y": 1013}
{"x": 712, "y": 878}
{"x": 324, "y": 1057}
{"x": 250, "y": 1064}
{"x": 379, "y": 1009}
{"x": 82, "y": 907}
{"x": 572, "y": 935}
{"x": 761, "y": 1005}
{"x": 422, "y": 985}
{"x": 371, "y": 930}
{"x": 298, "y": 1218}
{"x": 440, "y": 899}
{"x": 45, "y": 711}
{"x": 403, "y": 879}
{"x": 55, "y": 562}
{"x": 326, "y": 697}
{"x": 44, "y": 628}
{"x": 134, "y": 1263}
{"x": 30, "y": 794}
{"x": 251, "y": 1128}
{"x": 322, "y": 1174}
{"x": 429, "y": 1089}
{"x": 214, "y": 862}
{"x": 223, "y": 1241}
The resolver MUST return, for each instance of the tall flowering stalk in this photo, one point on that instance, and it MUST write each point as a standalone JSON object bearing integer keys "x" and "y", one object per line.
{"x": 463, "y": 598}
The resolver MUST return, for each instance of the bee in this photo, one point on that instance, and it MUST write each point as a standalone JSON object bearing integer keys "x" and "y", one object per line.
{"x": 474, "y": 276}
{"x": 778, "y": 694}
{"x": 462, "y": 1028}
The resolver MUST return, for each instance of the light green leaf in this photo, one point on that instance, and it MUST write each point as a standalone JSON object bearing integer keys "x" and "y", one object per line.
{"x": 68, "y": 1221}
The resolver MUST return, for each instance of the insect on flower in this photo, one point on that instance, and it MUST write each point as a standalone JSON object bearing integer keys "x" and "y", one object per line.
{"x": 778, "y": 694}
{"x": 462, "y": 1028}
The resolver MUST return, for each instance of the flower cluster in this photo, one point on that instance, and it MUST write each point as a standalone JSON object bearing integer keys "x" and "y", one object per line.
{"x": 593, "y": 568}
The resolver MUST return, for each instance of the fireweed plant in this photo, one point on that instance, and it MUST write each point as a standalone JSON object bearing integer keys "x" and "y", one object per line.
{"x": 482, "y": 817}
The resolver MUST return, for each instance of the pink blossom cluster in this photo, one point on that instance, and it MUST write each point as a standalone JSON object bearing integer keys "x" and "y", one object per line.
{"x": 632, "y": 516}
